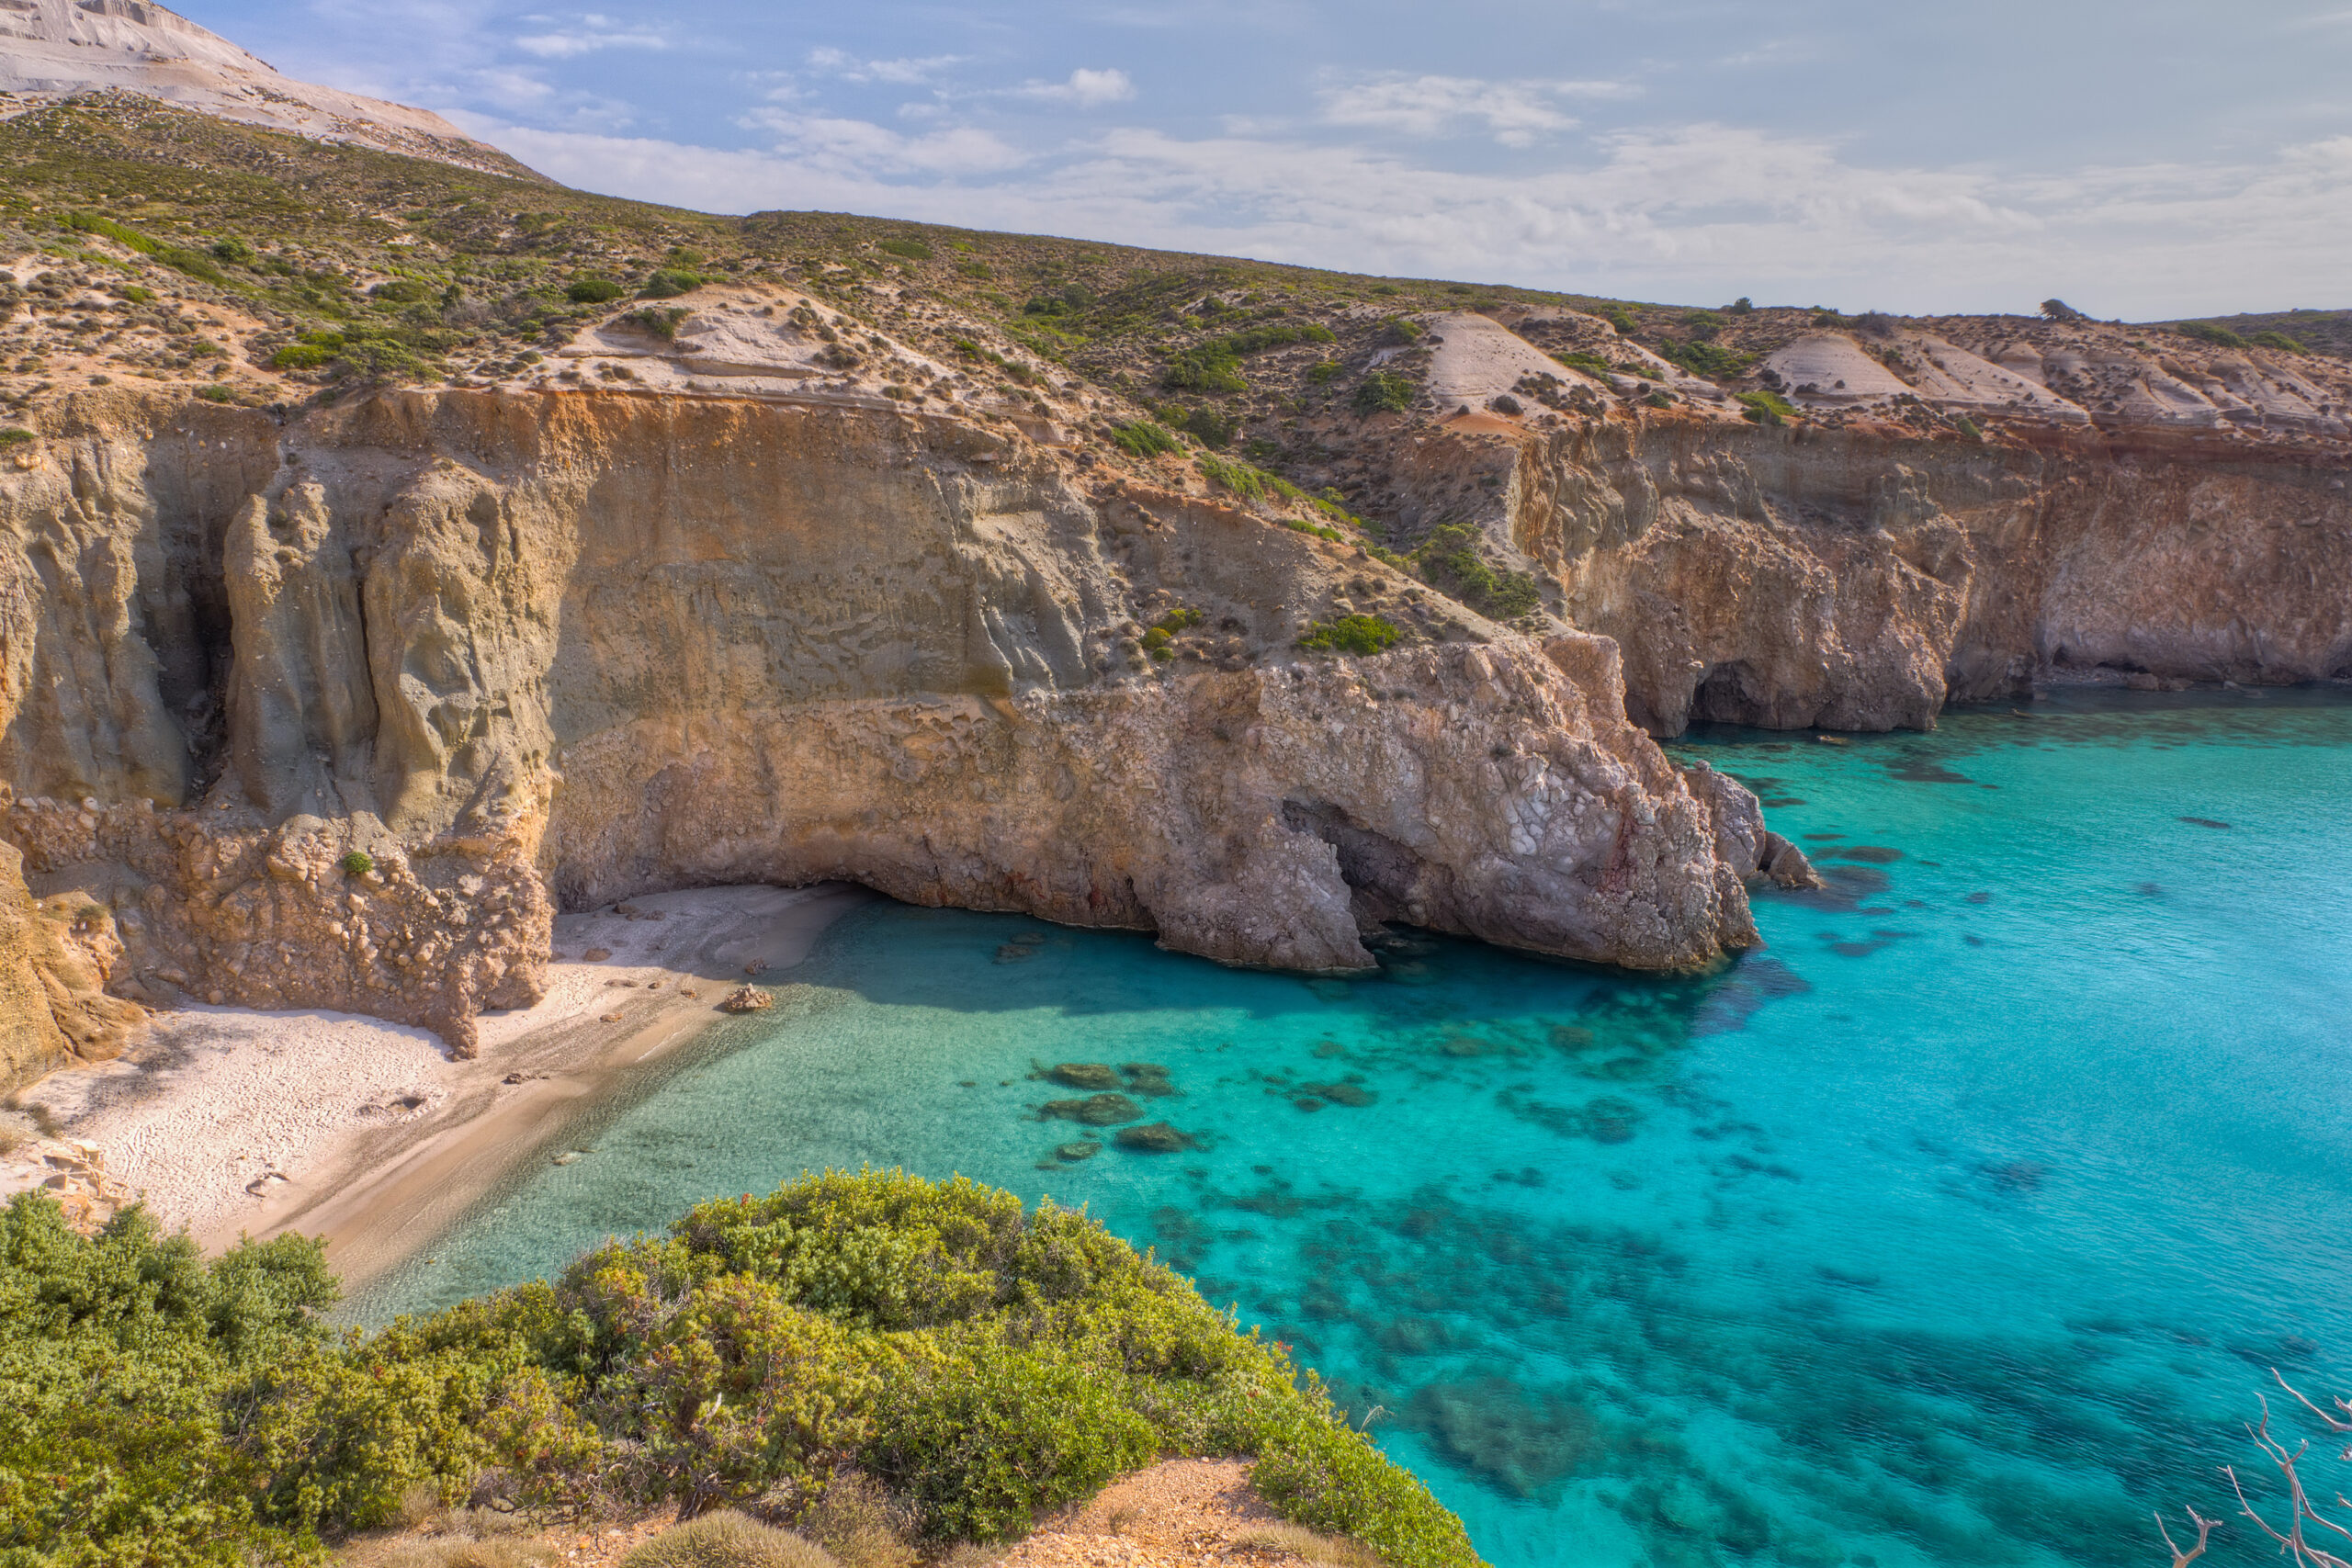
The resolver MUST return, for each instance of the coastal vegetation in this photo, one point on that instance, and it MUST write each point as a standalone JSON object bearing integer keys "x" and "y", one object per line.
{"x": 982, "y": 1361}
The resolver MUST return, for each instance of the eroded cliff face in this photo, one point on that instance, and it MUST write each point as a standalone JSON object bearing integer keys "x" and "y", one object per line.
{"x": 2125, "y": 510}
{"x": 335, "y": 713}
{"x": 1862, "y": 579}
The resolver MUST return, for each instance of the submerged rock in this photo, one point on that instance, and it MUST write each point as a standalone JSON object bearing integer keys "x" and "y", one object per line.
{"x": 1353, "y": 1094}
{"x": 1156, "y": 1138}
{"x": 1094, "y": 1111}
{"x": 1084, "y": 1074}
{"x": 1149, "y": 1079}
{"x": 1073, "y": 1153}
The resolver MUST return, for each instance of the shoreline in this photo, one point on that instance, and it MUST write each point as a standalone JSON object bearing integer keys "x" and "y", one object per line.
{"x": 371, "y": 1134}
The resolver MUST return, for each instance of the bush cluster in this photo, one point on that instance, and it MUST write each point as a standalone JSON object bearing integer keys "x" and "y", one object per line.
{"x": 983, "y": 1361}
{"x": 1449, "y": 559}
{"x": 1362, "y": 635}
{"x": 1214, "y": 365}
{"x": 2212, "y": 332}
{"x": 1767, "y": 408}
{"x": 1383, "y": 391}
{"x": 1144, "y": 438}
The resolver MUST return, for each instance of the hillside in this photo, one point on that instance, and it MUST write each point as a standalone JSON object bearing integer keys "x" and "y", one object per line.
{"x": 52, "y": 50}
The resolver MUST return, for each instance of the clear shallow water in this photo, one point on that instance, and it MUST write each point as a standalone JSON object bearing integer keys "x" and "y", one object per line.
{"x": 1957, "y": 1227}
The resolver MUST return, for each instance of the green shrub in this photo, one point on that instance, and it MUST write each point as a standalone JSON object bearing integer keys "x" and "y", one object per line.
{"x": 233, "y": 250}
{"x": 1701, "y": 357}
{"x": 1577, "y": 359}
{"x": 381, "y": 361}
{"x": 1449, "y": 559}
{"x": 2279, "y": 341}
{"x": 1203, "y": 424}
{"x": 125, "y": 1362}
{"x": 137, "y": 294}
{"x": 1144, "y": 438}
{"x": 729, "y": 1540}
{"x": 1969, "y": 428}
{"x": 217, "y": 393}
{"x": 660, "y": 323}
{"x": 1359, "y": 634}
{"x": 982, "y": 1434}
{"x": 121, "y": 234}
{"x": 1616, "y": 317}
{"x": 1767, "y": 408}
{"x": 975, "y": 269}
{"x": 912, "y": 250}
{"x": 358, "y": 863}
{"x": 1199, "y": 371}
{"x": 1241, "y": 478}
{"x": 1322, "y": 371}
{"x": 587, "y": 290}
{"x": 16, "y": 435}
{"x": 1401, "y": 329}
{"x": 983, "y": 1361}
{"x": 1213, "y": 366}
{"x": 1740, "y": 307}
{"x": 1182, "y": 618}
{"x": 669, "y": 283}
{"x": 1383, "y": 391}
{"x": 196, "y": 264}
{"x": 2212, "y": 332}
{"x": 305, "y": 355}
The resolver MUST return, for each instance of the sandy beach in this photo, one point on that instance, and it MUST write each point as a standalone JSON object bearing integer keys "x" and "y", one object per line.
{"x": 372, "y": 1135}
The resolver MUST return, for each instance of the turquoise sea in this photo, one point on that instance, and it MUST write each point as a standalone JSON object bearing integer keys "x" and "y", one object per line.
{"x": 1961, "y": 1225}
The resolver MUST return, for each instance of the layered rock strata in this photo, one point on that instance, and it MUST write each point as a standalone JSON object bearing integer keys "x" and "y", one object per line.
{"x": 335, "y": 713}
{"x": 1864, "y": 577}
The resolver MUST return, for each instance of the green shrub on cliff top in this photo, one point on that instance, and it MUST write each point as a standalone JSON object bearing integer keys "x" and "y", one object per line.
{"x": 983, "y": 1361}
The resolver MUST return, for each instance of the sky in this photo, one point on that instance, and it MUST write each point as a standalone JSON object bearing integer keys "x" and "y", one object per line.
{"x": 2140, "y": 159}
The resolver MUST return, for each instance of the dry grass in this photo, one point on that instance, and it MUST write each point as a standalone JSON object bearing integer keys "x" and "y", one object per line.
{"x": 463, "y": 1554}
{"x": 729, "y": 1539}
{"x": 859, "y": 1524}
{"x": 1337, "y": 1551}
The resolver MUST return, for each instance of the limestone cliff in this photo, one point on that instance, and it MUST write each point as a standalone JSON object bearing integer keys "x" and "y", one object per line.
{"x": 333, "y": 713}
{"x": 1861, "y": 565}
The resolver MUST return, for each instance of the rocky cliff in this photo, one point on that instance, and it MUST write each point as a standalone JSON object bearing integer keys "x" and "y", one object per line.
{"x": 1887, "y": 546}
{"x": 334, "y": 712}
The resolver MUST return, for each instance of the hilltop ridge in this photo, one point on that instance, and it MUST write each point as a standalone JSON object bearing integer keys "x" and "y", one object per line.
{"x": 52, "y": 49}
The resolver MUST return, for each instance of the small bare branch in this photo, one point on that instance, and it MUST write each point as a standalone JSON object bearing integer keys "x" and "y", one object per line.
{"x": 2183, "y": 1559}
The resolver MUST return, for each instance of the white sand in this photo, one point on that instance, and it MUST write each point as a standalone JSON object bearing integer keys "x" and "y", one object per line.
{"x": 229, "y": 1121}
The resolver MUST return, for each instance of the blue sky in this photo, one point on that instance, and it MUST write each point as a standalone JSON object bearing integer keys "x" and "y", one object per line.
{"x": 2150, "y": 159}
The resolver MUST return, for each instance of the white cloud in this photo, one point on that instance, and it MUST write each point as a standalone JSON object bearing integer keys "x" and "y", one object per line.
{"x": 1514, "y": 113}
{"x": 573, "y": 44}
{"x": 904, "y": 72}
{"x": 1087, "y": 89}
{"x": 862, "y": 149}
{"x": 1697, "y": 212}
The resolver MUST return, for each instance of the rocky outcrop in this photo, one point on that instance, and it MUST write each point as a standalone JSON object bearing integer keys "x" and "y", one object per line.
{"x": 2125, "y": 511}
{"x": 54, "y": 965}
{"x": 335, "y": 713}
{"x": 1864, "y": 577}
